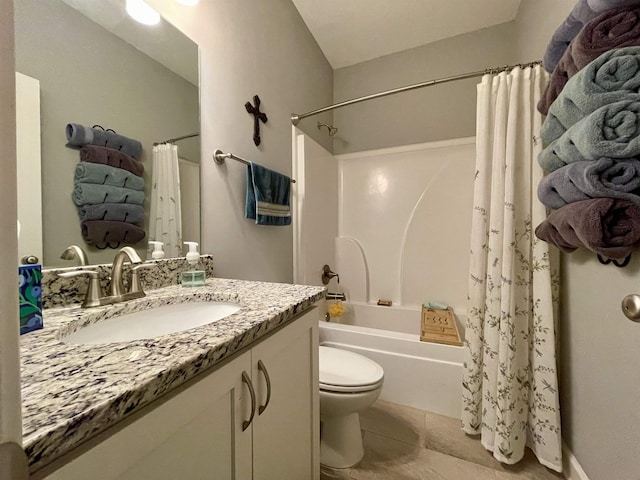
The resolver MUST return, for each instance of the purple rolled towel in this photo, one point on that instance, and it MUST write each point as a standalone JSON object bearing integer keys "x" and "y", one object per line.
{"x": 579, "y": 181}
{"x": 606, "y": 226}
{"x": 101, "y": 232}
{"x": 583, "y": 12}
{"x": 615, "y": 28}
{"x": 111, "y": 157}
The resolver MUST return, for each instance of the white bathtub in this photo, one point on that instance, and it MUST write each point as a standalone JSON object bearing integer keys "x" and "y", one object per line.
{"x": 419, "y": 374}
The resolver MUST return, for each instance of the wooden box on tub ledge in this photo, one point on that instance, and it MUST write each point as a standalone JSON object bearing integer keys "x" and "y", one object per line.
{"x": 439, "y": 326}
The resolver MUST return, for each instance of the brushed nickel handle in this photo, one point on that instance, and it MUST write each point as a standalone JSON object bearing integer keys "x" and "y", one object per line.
{"x": 247, "y": 381}
{"x": 263, "y": 369}
{"x": 631, "y": 307}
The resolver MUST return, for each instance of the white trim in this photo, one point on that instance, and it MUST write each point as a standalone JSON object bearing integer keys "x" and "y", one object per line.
{"x": 570, "y": 466}
{"x": 408, "y": 148}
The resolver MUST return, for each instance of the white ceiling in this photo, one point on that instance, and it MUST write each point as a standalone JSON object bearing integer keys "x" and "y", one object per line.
{"x": 353, "y": 31}
{"x": 163, "y": 42}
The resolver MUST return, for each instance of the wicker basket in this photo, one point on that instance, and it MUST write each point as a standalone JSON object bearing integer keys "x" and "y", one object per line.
{"x": 439, "y": 326}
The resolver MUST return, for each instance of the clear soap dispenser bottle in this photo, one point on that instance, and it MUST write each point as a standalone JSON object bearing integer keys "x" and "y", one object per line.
{"x": 193, "y": 275}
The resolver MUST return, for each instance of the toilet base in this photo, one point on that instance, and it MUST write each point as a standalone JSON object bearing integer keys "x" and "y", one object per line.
{"x": 340, "y": 441}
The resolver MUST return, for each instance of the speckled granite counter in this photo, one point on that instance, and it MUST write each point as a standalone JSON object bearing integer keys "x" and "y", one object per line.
{"x": 73, "y": 392}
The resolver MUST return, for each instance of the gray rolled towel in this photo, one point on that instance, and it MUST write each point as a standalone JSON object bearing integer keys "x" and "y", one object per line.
{"x": 98, "y": 232}
{"x": 606, "y": 226}
{"x": 91, "y": 193}
{"x": 98, "y": 173}
{"x": 79, "y": 135}
{"x": 119, "y": 212}
{"x": 613, "y": 77}
{"x": 111, "y": 157}
{"x": 579, "y": 181}
{"x": 611, "y": 131}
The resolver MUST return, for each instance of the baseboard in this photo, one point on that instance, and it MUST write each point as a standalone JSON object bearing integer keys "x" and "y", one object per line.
{"x": 570, "y": 466}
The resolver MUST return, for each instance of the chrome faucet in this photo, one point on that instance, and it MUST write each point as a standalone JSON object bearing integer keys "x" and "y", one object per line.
{"x": 74, "y": 251}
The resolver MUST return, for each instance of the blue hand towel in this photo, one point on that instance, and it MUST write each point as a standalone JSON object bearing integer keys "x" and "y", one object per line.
{"x": 118, "y": 212}
{"x": 611, "y": 131}
{"x": 579, "y": 181}
{"x": 92, "y": 193}
{"x": 98, "y": 173}
{"x": 79, "y": 135}
{"x": 268, "y": 195}
{"x": 614, "y": 76}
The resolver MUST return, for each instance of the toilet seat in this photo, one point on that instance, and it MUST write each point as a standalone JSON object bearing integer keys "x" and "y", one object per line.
{"x": 343, "y": 371}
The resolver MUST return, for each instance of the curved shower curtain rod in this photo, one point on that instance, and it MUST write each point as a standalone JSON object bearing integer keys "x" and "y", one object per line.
{"x": 295, "y": 118}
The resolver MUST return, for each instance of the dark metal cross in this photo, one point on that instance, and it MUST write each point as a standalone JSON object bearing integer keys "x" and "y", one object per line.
{"x": 257, "y": 116}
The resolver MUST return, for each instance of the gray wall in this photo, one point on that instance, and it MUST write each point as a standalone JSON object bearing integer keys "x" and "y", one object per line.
{"x": 248, "y": 48}
{"x": 434, "y": 113}
{"x": 599, "y": 347}
{"x": 89, "y": 76}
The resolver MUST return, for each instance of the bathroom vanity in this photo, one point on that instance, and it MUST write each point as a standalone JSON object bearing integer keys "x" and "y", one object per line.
{"x": 233, "y": 399}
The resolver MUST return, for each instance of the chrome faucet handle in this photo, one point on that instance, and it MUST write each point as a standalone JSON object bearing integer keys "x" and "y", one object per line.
{"x": 94, "y": 293}
{"x": 136, "y": 284}
{"x": 117, "y": 288}
{"x": 327, "y": 275}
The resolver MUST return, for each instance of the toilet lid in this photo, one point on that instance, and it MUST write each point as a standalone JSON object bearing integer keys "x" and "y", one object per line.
{"x": 341, "y": 368}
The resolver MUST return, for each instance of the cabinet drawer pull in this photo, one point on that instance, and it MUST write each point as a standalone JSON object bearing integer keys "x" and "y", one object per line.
{"x": 263, "y": 369}
{"x": 247, "y": 381}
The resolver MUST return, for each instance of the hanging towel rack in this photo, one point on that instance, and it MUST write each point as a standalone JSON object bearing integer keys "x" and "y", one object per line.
{"x": 219, "y": 157}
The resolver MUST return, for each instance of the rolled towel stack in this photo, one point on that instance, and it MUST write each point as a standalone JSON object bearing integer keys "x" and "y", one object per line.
{"x": 592, "y": 140}
{"x": 108, "y": 186}
{"x": 615, "y": 28}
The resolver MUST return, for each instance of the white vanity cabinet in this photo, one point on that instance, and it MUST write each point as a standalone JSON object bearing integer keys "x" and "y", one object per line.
{"x": 203, "y": 431}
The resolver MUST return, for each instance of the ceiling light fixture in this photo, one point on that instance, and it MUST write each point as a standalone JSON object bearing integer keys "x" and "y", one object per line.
{"x": 143, "y": 13}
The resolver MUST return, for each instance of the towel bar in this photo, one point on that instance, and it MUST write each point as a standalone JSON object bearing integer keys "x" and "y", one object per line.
{"x": 219, "y": 157}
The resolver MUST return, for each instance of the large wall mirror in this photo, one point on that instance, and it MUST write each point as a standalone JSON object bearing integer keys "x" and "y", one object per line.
{"x": 93, "y": 65}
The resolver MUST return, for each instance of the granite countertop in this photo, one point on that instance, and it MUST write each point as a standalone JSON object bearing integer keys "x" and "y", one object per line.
{"x": 70, "y": 393}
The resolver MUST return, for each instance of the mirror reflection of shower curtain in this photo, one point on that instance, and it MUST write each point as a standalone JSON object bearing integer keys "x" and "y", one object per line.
{"x": 165, "y": 222}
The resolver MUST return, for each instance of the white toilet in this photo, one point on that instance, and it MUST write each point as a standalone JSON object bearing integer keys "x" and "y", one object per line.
{"x": 349, "y": 383}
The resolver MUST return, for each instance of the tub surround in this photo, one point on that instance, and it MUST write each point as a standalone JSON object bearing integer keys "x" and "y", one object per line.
{"x": 58, "y": 291}
{"x": 73, "y": 392}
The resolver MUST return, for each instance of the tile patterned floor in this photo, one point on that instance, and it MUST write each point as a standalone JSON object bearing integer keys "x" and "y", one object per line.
{"x": 404, "y": 443}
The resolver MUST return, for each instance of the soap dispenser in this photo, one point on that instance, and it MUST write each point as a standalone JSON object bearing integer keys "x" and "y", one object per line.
{"x": 158, "y": 251}
{"x": 194, "y": 275}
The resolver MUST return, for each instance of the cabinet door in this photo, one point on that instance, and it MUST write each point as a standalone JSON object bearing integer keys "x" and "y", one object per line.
{"x": 286, "y": 433}
{"x": 196, "y": 435}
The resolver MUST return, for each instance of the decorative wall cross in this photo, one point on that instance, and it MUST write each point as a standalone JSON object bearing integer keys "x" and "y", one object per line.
{"x": 257, "y": 116}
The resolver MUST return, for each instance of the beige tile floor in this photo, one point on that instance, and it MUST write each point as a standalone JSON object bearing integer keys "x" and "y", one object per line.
{"x": 404, "y": 443}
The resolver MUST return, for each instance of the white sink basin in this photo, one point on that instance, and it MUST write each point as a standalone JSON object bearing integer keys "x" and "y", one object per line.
{"x": 152, "y": 323}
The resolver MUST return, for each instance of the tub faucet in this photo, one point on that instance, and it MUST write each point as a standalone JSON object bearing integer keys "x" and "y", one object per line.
{"x": 117, "y": 288}
{"x": 75, "y": 252}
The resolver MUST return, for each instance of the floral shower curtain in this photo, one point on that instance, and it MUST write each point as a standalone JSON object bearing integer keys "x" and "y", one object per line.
{"x": 510, "y": 387}
{"x": 165, "y": 221}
